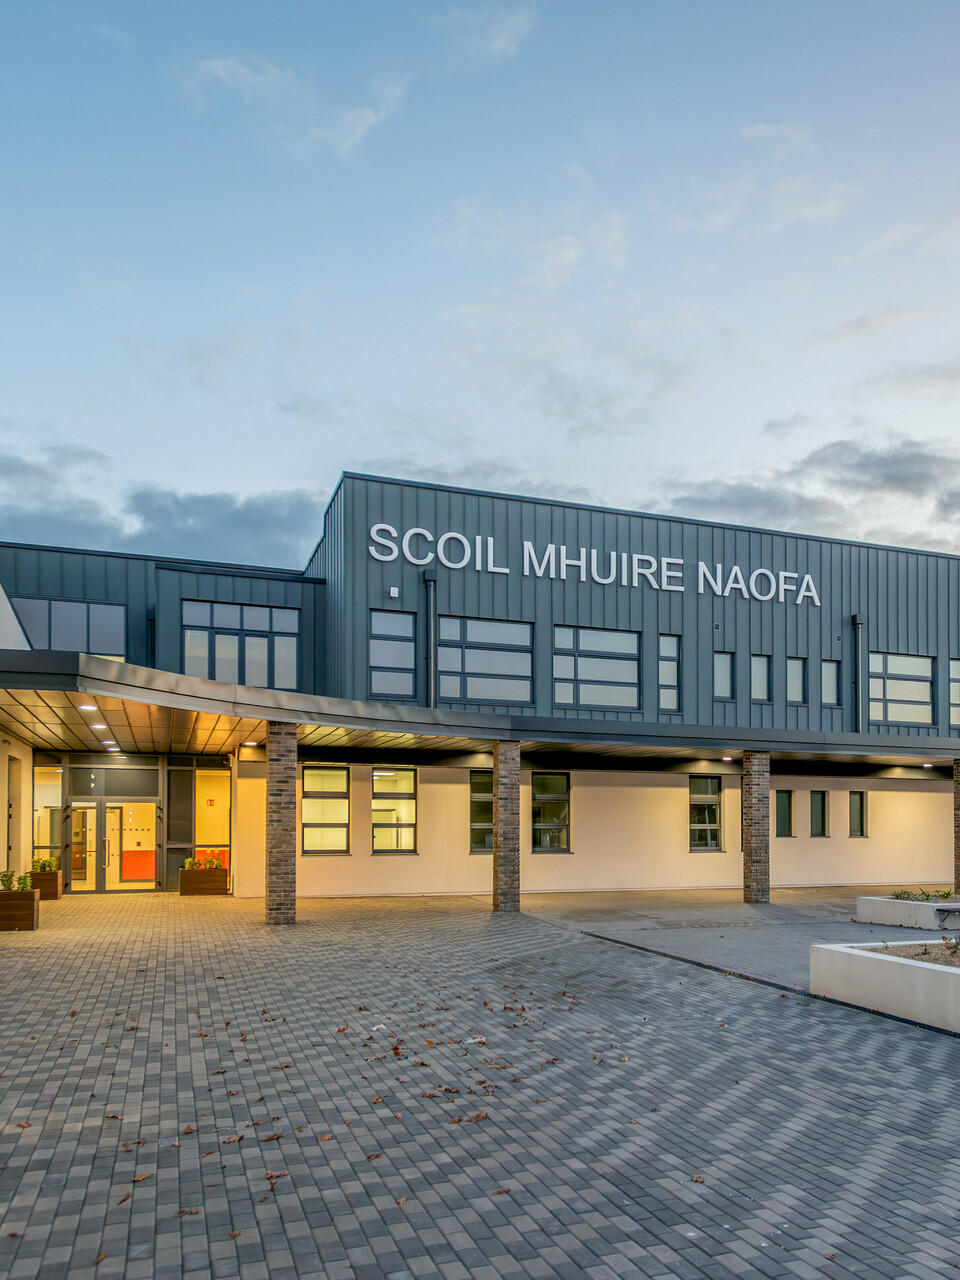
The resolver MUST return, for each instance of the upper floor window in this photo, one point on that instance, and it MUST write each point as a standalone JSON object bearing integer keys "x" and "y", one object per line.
{"x": 669, "y": 673}
{"x": 760, "y": 678}
{"x": 901, "y": 689}
{"x": 78, "y": 626}
{"x": 593, "y": 668}
{"x": 723, "y": 676}
{"x": 481, "y": 661}
{"x": 253, "y": 645}
{"x": 830, "y": 683}
{"x": 393, "y": 654}
{"x": 796, "y": 680}
{"x": 954, "y": 692}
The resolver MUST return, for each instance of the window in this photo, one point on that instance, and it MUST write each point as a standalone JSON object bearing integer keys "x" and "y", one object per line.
{"x": 393, "y": 654}
{"x": 830, "y": 683}
{"x": 325, "y": 809}
{"x": 954, "y": 692}
{"x": 480, "y": 661}
{"x": 901, "y": 689}
{"x": 594, "y": 668}
{"x": 394, "y": 811}
{"x": 247, "y": 644}
{"x": 796, "y": 679}
{"x": 723, "y": 676}
{"x": 760, "y": 678}
{"x": 858, "y": 813}
{"x": 481, "y": 811}
{"x": 818, "y": 813}
{"x": 704, "y": 813}
{"x": 74, "y": 625}
{"x": 669, "y": 673}
{"x": 785, "y": 813}
{"x": 550, "y": 793}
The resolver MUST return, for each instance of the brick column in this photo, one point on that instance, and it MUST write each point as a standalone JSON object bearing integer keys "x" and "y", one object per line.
{"x": 506, "y": 826}
{"x": 281, "y": 890}
{"x": 956, "y": 825}
{"x": 755, "y": 819}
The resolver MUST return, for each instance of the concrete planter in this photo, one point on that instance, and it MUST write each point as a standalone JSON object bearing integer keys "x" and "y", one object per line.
{"x": 908, "y": 915}
{"x": 19, "y": 910}
{"x": 203, "y": 883}
{"x": 862, "y": 974}
{"x": 50, "y": 884}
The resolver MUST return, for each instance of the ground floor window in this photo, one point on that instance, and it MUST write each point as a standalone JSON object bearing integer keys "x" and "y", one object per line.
{"x": 818, "y": 813}
{"x": 481, "y": 811}
{"x": 785, "y": 813}
{"x": 394, "y": 811}
{"x": 858, "y": 813}
{"x": 47, "y": 808}
{"x": 704, "y": 813}
{"x": 550, "y": 812}
{"x": 325, "y": 809}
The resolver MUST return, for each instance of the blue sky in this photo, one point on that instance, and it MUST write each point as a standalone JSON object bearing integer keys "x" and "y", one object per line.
{"x": 681, "y": 255}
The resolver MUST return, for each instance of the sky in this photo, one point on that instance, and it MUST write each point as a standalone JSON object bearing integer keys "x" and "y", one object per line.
{"x": 682, "y": 256}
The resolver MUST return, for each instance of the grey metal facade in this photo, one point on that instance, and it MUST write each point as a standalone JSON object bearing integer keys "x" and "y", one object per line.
{"x": 670, "y": 577}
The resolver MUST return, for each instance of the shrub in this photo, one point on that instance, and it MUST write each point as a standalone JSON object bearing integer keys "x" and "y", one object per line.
{"x": 24, "y": 884}
{"x": 6, "y": 880}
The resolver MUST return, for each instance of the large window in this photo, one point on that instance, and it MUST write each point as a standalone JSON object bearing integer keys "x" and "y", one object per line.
{"x": 954, "y": 692}
{"x": 819, "y": 814}
{"x": 47, "y": 808}
{"x": 394, "y": 811}
{"x": 393, "y": 654}
{"x": 481, "y": 811}
{"x": 550, "y": 808}
{"x": 784, "y": 813}
{"x": 668, "y": 673}
{"x": 901, "y": 689}
{"x": 830, "y": 683}
{"x": 760, "y": 678}
{"x": 796, "y": 679}
{"x": 482, "y": 661}
{"x": 723, "y": 676}
{"x": 858, "y": 813}
{"x": 74, "y": 625}
{"x": 325, "y": 809}
{"x": 593, "y": 668}
{"x": 252, "y": 645}
{"x": 704, "y": 813}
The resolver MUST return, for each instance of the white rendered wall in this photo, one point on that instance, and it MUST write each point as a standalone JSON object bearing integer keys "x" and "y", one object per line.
{"x": 21, "y": 830}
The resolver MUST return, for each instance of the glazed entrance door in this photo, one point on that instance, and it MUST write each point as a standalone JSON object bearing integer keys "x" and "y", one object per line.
{"x": 113, "y": 846}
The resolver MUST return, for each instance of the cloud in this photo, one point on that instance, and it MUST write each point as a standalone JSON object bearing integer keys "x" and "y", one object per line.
{"x": 941, "y": 378}
{"x": 795, "y": 134}
{"x": 800, "y": 198}
{"x": 900, "y": 233}
{"x": 870, "y": 325}
{"x": 720, "y": 208}
{"x": 767, "y": 504}
{"x": 901, "y": 466}
{"x": 298, "y": 120}
{"x": 310, "y": 408}
{"x": 491, "y": 30}
{"x": 781, "y": 427}
{"x": 501, "y": 474}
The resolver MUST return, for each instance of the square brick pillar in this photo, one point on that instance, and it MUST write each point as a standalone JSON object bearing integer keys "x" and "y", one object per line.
{"x": 755, "y": 819}
{"x": 956, "y": 825}
{"x": 281, "y": 887}
{"x": 506, "y": 826}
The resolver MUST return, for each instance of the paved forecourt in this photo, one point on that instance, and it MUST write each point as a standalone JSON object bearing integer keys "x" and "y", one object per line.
{"x": 417, "y": 1088}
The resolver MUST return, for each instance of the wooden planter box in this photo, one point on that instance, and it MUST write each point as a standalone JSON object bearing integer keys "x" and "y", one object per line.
{"x": 203, "y": 883}
{"x": 50, "y": 884}
{"x": 19, "y": 909}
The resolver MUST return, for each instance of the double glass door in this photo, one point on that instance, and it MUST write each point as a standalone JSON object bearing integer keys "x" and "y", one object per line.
{"x": 113, "y": 846}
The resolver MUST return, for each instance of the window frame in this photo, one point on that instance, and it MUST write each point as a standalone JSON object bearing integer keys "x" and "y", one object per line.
{"x": 577, "y": 650}
{"x": 212, "y": 630}
{"x": 677, "y": 686}
{"x": 791, "y": 816}
{"x": 731, "y": 659}
{"x": 412, "y": 671}
{"x": 705, "y": 826}
{"x": 768, "y": 697}
{"x": 836, "y": 666}
{"x": 825, "y": 833}
{"x": 881, "y": 672}
{"x": 803, "y": 699}
{"x": 862, "y": 833}
{"x": 325, "y": 826}
{"x": 396, "y": 826}
{"x": 479, "y": 796}
{"x": 953, "y": 692}
{"x": 49, "y": 602}
{"x": 461, "y": 645}
{"x": 549, "y": 798}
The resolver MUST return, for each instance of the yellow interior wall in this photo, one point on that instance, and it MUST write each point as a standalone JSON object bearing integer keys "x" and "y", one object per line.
{"x": 21, "y": 831}
{"x": 213, "y": 820}
{"x": 249, "y": 840}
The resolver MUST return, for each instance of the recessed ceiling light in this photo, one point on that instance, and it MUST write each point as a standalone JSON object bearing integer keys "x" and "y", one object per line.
{"x": 108, "y": 742}
{"x": 87, "y": 707}
{"x": 98, "y": 726}
{"x": 248, "y": 744}
{"x": 928, "y": 766}
{"x": 728, "y": 758}
{"x": 113, "y": 748}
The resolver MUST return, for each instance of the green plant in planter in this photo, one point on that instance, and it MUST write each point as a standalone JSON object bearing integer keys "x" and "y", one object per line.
{"x": 189, "y": 864}
{"x": 901, "y": 895}
{"x": 24, "y": 883}
{"x": 211, "y": 862}
{"x": 6, "y": 880}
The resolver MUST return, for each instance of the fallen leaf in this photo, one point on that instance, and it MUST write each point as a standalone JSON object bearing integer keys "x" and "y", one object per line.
{"x": 342, "y": 1029}
{"x": 402, "y": 1200}
{"x": 23, "y": 1124}
{"x": 124, "y": 1199}
{"x": 112, "y": 1115}
{"x": 376, "y": 1155}
{"x": 378, "y": 1099}
{"x": 271, "y": 1137}
{"x": 239, "y": 1138}
{"x": 189, "y": 1129}
{"x": 503, "y": 1191}
{"x": 184, "y": 1212}
{"x": 222, "y": 1072}
{"x": 696, "y": 1178}
{"x": 73, "y": 1013}
{"x": 142, "y": 1177}
{"x": 234, "y": 1234}
{"x": 281, "y": 1066}
{"x": 99, "y": 1258}
{"x": 324, "y": 1137}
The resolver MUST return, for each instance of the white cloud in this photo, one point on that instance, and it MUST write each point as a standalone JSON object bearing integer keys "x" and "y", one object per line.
{"x": 795, "y": 134}
{"x": 871, "y": 324}
{"x": 344, "y": 128}
{"x": 898, "y": 234}
{"x": 800, "y": 198}
{"x": 720, "y": 207}
{"x": 491, "y": 30}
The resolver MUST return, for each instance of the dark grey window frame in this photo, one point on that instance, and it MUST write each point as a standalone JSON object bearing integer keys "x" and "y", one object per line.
{"x": 862, "y": 833}
{"x": 325, "y": 826}
{"x": 463, "y": 644}
{"x": 550, "y": 798}
{"x": 577, "y": 650}
{"x": 480, "y": 797}
{"x": 705, "y": 798}
{"x": 802, "y": 700}
{"x": 412, "y": 670}
{"x": 242, "y": 634}
{"x": 49, "y": 601}
{"x": 663, "y": 685}
{"x": 954, "y": 673}
{"x": 731, "y": 658}
{"x": 413, "y": 795}
{"x": 791, "y": 816}
{"x": 835, "y": 664}
{"x": 825, "y": 833}
{"x": 879, "y": 671}
{"x": 768, "y": 696}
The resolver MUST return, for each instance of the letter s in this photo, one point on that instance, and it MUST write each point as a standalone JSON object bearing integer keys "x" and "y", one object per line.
{"x": 376, "y": 533}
